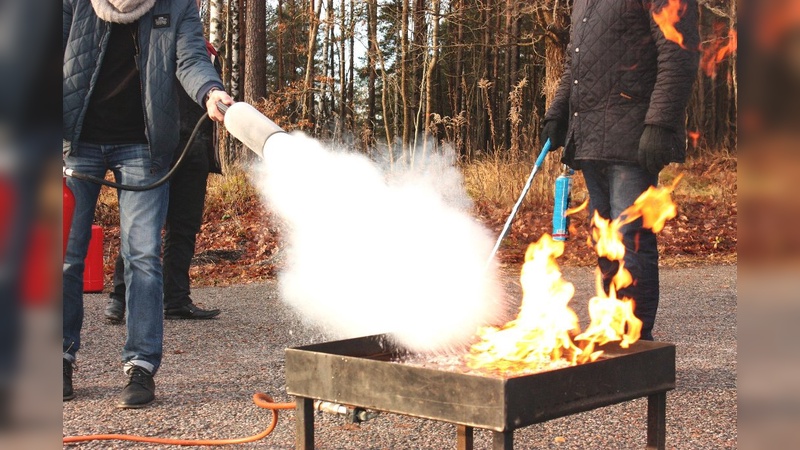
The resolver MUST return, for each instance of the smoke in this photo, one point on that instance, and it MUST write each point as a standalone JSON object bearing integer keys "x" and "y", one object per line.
{"x": 373, "y": 251}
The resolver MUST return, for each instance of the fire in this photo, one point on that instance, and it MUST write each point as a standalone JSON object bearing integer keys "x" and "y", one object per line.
{"x": 654, "y": 206}
{"x": 716, "y": 51}
{"x": 540, "y": 333}
{"x": 667, "y": 17}
{"x": 546, "y": 332}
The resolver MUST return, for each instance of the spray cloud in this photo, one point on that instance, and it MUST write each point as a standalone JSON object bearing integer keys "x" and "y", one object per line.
{"x": 376, "y": 252}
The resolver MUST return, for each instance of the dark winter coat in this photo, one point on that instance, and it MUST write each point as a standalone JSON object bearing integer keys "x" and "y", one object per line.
{"x": 620, "y": 74}
{"x": 171, "y": 43}
{"x": 204, "y": 150}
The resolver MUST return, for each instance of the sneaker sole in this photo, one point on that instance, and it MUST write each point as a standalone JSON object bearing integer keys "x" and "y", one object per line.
{"x": 69, "y": 397}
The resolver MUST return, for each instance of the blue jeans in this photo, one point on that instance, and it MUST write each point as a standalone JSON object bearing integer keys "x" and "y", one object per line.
{"x": 612, "y": 188}
{"x": 142, "y": 216}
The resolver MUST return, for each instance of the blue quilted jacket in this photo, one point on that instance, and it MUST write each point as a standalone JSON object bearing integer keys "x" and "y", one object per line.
{"x": 173, "y": 54}
{"x": 622, "y": 73}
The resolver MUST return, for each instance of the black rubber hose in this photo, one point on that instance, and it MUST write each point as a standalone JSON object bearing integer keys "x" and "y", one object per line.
{"x": 164, "y": 179}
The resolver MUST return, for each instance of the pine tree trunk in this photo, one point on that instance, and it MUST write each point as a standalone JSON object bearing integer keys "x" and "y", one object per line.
{"x": 342, "y": 74}
{"x": 241, "y": 40}
{"x": 326, "y": 91}
{"x": 429, "y": 76}
{"x": 555, "y": 48}
{"x": 308, "y": 82}
{"x": 351, "y": 69}
{"x": 418, "y": 54}
{"x": 487, "y": 141}
{"x": 255, "y": 72}
{"x": 279, "y": 50}
{"x": 405, "y": 65}
{"x": 459, "y": 107}
{"x": 372, "y": 37}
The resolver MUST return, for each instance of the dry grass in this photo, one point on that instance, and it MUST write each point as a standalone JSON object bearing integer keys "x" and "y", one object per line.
{"x": 705, "y": 177}
{"x": 228, "y": 195}
{"x": 107, "y": 211}
{"x": 499, "y": 181}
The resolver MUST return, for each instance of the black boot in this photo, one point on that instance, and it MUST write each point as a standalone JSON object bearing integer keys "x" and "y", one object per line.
{"x": 69, "y": 393}
{"x": 140, "y": 390}
{"x": 190, "y": 311}
{"x": 115, "y": 310}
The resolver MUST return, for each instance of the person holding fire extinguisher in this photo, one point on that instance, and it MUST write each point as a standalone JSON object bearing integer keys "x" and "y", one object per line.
{"x": 620, "y": 113}
{"x": 124, "y": 63}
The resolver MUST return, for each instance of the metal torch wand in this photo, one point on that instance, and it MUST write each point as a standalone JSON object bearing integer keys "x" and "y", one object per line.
{"x": 539, "y": 161}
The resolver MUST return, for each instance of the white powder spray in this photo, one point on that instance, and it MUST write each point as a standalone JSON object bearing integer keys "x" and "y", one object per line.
{"x": 372, "y": 253}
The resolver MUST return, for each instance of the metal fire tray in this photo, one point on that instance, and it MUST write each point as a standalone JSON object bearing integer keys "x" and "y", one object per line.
{"x": 361, "y": 372}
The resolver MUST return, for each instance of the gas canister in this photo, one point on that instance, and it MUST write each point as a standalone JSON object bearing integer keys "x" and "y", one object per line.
{"x": 561, "y": 204}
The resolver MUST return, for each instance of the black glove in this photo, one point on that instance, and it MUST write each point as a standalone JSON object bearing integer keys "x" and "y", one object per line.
{"x": 656, "y": 148}
{"x": 556, "y": 131}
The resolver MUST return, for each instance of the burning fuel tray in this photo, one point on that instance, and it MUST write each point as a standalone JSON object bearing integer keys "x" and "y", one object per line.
{"x": 360, "y": 372}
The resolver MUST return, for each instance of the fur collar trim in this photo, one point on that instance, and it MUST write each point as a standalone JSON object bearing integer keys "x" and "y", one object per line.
{"x": 121, "y": 11}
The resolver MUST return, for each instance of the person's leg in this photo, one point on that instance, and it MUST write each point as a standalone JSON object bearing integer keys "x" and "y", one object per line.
{"x": 115, "y": 309}
{"x": 142, "y": 215}
{"x": 184, "y": 218}
{"x": 90, "y": 162}
{"x": 641, "y": 249}
{"x": 596, "y": 176}
{"x": 612, "y": 189}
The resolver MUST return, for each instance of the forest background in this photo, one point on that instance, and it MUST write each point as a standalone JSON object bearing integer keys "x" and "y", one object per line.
{"x": 399, "y": 79}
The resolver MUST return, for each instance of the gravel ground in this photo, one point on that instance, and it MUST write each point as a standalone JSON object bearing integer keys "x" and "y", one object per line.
{"x": 212, "y": 369}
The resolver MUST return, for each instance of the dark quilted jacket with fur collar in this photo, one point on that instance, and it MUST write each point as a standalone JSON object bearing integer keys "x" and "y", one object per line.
{"x": 173, "y": 57}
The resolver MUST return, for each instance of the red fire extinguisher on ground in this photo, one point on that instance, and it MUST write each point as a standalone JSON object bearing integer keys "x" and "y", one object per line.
{"x": 93, "y": 264}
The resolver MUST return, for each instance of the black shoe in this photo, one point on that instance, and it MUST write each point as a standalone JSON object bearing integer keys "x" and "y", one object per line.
{"x": 115, "y": 310}
{"x": 69, "y": 393}
{"x": 140, "y": 390}
{"x": 190, "y": 311}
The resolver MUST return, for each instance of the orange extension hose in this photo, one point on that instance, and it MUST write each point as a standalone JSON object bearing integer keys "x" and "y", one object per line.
{"x": 261, "y": 400}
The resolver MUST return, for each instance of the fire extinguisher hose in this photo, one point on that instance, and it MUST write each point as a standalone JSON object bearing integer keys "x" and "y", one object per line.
{"x": 126, "y": 187}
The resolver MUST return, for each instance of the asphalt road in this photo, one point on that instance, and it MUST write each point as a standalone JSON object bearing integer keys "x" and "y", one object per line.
{"x": 211, "y": 370}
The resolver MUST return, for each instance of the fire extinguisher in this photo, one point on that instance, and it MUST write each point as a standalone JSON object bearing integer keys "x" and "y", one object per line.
{"x": 69, "y": 210}
{"x": 561, "y": 204}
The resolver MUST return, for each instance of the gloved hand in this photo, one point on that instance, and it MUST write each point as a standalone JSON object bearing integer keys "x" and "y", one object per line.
{"x": 556, "y": 131}
{"x": 656, "y": 147}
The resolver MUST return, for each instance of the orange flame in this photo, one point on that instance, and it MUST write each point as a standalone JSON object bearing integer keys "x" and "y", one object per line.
{"x": 666, "y": 18}
{"x": 716, "y": 51}
{"x": 572, "y": 230}
{"x": 611, "y": 320}
{"x": 540, "y": 333}
{"x": 546, "y": 330}
{"x": 655, "y": 206}
{"x": 577, "y": 209}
